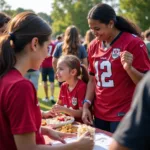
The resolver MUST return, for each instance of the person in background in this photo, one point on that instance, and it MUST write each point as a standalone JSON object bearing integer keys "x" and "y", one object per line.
{"x": 89, "y": 36}
{"x": 33, "y": 76}
{"x": 147, "y": 40}
{"x": 73, "y": 90}
{"x": 48, "y": 72}
{"x": 59, "y": 38}
{"x": 23, "y": 47}
{"x": 70, "y": 45}
{"x": 133, "y": 133}
{"x": 114, "y": 67}
{"x": 4, "y": 19}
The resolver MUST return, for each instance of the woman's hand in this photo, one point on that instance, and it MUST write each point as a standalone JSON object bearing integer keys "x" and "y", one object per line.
{"x": 85, "y": 142}
{"x": 87, "y": 117}
{"x": 126, "y": 59}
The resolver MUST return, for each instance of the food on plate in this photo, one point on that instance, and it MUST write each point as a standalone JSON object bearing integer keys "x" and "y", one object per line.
{"x": 84, "y": 128}
{"x": 43, "y": 123}
{"x": 60, "y": 121}
{"x": 69, "y": 128}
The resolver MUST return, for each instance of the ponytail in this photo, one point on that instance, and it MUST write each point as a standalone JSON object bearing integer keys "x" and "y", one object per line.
{"x": 105, "y": 13}
{"x": 7, "y": 55}
{"x": 125, "y": 25}
{"x": 84, "y": 74}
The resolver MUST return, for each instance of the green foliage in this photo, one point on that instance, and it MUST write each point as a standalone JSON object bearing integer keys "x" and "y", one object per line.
{"x": 4, "y": 5}
{"x": 137, "y": 11}
{"x": 71, "y": 12}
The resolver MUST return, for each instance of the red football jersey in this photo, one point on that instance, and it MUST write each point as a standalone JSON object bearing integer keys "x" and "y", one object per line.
{"x": 114, "y": 87}
{"x": 19, "y": 110}
{"x": 47, "y": 63}
{"x": 75, "y": 98}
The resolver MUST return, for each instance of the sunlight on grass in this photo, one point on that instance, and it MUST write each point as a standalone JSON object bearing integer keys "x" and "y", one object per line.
{"x": 41, "y": 95}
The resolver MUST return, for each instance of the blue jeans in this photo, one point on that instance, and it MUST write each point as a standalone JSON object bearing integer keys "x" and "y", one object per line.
{"x": 105, "y": 125}
{"x": 33, "y": 77}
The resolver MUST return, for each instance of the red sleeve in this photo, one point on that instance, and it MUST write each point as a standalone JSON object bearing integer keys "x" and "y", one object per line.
{"x": 140, "y": 57}
{"x": 81, "y": 94}
{"x": 21, "y": 106}
{"x": 61, "y": 93}
{"x": 91, "y": 50}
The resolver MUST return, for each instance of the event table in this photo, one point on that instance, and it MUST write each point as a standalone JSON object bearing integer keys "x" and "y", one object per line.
{"x": 100, "y": 136}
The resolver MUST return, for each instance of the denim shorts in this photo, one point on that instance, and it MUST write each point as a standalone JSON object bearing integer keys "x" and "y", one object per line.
{"x": 47, "y": 73}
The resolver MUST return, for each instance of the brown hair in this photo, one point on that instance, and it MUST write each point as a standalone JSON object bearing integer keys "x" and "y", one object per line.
{"x": 89, "y": 36}
{"x": 4, "y": 18}
{"x": 71, "y": 41}
{"x": 73, "y": 62}
{"x": 147, "y": 33}
{"x": 20, "y": 31}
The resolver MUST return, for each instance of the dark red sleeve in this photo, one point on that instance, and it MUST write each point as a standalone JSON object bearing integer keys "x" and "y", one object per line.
{"x": 140, "y": 57}
{"x": 81, "y": 94}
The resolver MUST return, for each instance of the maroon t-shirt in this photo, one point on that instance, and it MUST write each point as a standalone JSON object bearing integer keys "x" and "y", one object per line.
{"x": 47, "y": 63}
{"x": 114, "y": 87}
{"x": 19, "y": 110}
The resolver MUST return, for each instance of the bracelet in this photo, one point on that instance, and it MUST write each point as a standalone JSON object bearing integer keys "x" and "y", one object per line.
{"x": 87, "y": 101}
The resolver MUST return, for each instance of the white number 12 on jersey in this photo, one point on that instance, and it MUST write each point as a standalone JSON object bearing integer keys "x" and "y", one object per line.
{"x": 101, "y": 78}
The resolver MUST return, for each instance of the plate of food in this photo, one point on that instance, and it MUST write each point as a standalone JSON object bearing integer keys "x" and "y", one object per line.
{"x": 59, "y": 121}
{"x": 85, "y": 128}
{"x": 43, "y": 122}
{"x": 68, "y": 128}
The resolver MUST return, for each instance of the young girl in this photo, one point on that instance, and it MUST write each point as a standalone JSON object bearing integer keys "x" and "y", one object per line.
{"x": 73, "y": 90}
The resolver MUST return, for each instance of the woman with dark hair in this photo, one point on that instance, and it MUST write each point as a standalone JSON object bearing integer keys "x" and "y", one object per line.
{"x": 117, "y": 62}
{"x": 70, "y": 45}
{"x": 23, "y": 47}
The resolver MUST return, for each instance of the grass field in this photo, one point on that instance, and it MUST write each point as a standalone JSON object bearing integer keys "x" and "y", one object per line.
{"x": 46, "y": 105}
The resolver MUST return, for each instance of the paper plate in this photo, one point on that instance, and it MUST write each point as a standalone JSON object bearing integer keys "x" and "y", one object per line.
{"x": 59, "y": 121}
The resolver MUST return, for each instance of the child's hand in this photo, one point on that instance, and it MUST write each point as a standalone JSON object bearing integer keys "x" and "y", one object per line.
{"x": 48, "y": 114}
{"x": 58, "y": 108}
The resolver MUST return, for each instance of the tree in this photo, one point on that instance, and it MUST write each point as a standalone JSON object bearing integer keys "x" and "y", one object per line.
{"x": 46, "y": 17}
{"x": 4, "y": 5}
{"x": 71, "y": 12}
{"x": 137, "y": 11}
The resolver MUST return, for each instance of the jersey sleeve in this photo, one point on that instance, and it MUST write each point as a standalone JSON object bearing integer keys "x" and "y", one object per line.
{"x": 61, "y": 94}
{"x": 81, "y": 94}
{"x": 140, "y": 57}
{"x": 91, "y": 69}
{"x": 134, "y": 131}
{"x": 21, "y": 106}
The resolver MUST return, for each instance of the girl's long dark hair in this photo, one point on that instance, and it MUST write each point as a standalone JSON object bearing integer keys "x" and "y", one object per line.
{"x": 104, "y": 13}
{"x": 20, "y": 31}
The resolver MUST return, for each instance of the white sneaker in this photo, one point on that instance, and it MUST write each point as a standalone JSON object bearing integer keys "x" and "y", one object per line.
{"x": 45, "y": 99}
{"x": 52, "y": 98}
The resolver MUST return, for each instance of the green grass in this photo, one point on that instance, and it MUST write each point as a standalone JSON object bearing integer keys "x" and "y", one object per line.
{"x": 41, "y": 94}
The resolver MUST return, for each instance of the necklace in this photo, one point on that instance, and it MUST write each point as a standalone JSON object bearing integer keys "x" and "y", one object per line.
{"x": 106, "y": 46}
